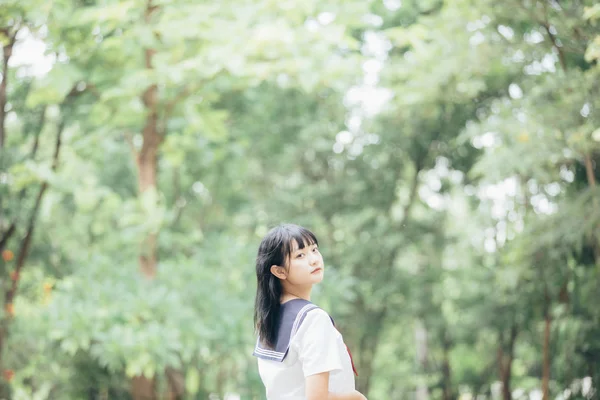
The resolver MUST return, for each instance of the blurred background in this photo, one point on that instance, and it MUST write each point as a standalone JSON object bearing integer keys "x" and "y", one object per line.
{"x": 444, "y": 152}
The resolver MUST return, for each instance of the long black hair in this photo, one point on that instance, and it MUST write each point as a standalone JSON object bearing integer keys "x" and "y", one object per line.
{"x": 275, "y": 249}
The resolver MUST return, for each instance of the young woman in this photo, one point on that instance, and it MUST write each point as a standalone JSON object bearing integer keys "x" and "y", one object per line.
{"x": 301, "y": 355}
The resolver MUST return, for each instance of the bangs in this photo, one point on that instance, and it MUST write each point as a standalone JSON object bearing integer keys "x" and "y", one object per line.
{"x": 298, "y": 234}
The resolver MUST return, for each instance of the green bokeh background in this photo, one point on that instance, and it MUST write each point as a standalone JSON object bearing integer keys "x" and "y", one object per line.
{"x": 444, "y": 153}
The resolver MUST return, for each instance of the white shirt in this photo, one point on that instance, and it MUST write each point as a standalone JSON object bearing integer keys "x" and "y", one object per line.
{"x": 316, "y": 347}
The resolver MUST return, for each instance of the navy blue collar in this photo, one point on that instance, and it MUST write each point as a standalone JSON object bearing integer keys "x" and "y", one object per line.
{"x": 291, "y": 316}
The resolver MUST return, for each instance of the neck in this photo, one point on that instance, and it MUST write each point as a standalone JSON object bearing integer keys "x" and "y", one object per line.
{"x": 290, "y": 293}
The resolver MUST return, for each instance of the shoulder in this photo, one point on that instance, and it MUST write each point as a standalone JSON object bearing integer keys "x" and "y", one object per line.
{"x": 319, "y": 315}
{"x": 316, "y": 321}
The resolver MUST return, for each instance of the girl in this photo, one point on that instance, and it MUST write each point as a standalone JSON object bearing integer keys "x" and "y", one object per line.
{"x": 301, "y": 355}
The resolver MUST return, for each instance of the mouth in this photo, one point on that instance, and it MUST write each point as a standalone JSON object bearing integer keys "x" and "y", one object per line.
{"x": 316, "y": 271}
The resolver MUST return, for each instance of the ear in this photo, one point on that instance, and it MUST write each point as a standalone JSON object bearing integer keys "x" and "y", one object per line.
{"x": 278, "y": 271}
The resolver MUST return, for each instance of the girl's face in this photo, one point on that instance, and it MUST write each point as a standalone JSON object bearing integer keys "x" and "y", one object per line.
{"x": 305, "y": 266}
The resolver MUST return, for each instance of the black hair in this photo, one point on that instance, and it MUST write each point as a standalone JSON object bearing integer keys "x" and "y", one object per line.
{"x": 275, "y": 249}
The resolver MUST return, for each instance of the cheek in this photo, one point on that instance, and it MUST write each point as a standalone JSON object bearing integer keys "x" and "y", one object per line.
{"x": 297, "y": 268}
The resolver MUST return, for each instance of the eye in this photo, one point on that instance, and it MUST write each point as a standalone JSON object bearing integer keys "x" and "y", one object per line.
{"x": 300, "y": 255}
{"x": 316, "y": 250}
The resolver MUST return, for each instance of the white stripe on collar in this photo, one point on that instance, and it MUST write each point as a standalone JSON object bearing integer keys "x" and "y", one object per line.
{"x": 286, "y": 331}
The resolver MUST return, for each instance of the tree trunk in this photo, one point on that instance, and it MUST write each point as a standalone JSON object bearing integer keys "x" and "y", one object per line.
{"x": 368, "y": 348}
{"x": 147, "y": 165}
{"x": 589, "y": 170}
{"x": 446, "y": 370}
{"x": 591, "y": 178}
{"x": 176, "y": 384}
{"x": 505, "y": 360}
{"x": 422, "y": 356}
{"x": 546, "y": 366}
{"x": 143, "y": 388}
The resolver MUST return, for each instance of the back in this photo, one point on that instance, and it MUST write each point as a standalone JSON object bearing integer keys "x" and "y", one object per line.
{"x": 315, "y": 347}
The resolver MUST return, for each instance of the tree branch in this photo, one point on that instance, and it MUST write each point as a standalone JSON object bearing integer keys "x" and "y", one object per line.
{"x": 546, "y": 25}
{"x": 26, "y": 243}
{"x": 170, "y": 105}
{"x": 179, "y": 198}
{"x": 36, "y": 141}
{"x": 183, "y": 93}
{"x": 12, "y": 228}
{"x": 589, "y": 169}
{"x": 6, "y": 235}
{"x": 414, "y": 186}
{"x": 561, "y": 54}
{"x": 88, "y": 87}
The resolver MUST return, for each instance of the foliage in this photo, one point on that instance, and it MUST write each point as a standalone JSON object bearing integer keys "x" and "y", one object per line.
{"x": 443, "y": 152}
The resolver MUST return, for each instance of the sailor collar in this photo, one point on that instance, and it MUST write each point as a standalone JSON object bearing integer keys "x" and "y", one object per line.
{"x": 291, "y": 315}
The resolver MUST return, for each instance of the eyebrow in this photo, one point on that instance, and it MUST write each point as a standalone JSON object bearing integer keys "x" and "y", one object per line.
{"x": 304, "y": 248}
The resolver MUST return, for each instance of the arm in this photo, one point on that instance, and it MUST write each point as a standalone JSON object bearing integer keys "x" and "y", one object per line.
{"x": 317, "y": 388}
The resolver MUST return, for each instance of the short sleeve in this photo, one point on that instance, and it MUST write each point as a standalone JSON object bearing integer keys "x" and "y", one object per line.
{"x": 317, "y": 341}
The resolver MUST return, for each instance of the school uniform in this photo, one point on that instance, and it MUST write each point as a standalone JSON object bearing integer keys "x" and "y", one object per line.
{"x": 307, "y": 343}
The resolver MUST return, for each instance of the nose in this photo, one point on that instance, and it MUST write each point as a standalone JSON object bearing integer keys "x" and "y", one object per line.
{"x": 314, "y": 260}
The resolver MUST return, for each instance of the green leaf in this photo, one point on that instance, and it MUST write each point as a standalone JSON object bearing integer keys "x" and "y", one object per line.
{"x": 591, "y": 13}
{"x": 55, "y": 86}
{"x": 192, "y": 381}
{"x": 593, "y": 50}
